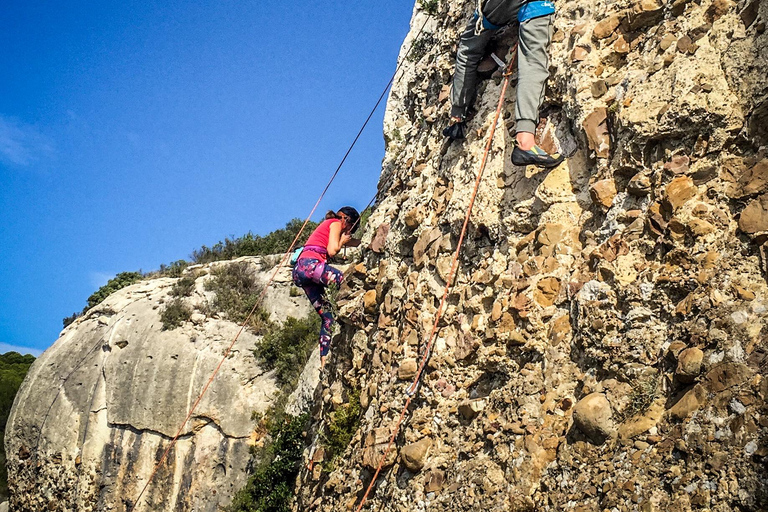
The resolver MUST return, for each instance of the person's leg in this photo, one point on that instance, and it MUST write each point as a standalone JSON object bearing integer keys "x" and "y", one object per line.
{"x": 304, "y": 277}
{"x": 470, "y": 53}
{"x": 533, "y": 72}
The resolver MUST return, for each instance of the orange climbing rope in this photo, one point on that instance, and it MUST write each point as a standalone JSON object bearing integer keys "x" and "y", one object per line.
{"x": 454, "y": 266}
{"x": 285, "y": 257}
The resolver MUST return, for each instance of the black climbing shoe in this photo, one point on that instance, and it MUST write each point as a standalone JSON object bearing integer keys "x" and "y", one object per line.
{"x": 456, "y": 131}
{"x": 536, "y": 156}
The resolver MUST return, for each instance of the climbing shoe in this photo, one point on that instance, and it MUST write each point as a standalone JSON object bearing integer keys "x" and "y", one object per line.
{"x": 536, "y": 156}
{"x": 456, "y": 130}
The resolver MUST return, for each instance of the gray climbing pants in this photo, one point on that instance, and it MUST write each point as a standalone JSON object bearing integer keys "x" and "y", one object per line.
{"x": 532, "y": 62}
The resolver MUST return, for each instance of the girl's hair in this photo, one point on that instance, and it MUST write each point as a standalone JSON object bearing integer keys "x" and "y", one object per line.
{"x": 349, "y": 212}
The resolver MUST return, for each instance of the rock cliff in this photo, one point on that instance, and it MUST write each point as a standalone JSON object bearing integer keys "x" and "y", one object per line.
{"x": 605, "y": 346}
{"x": 97, "y": 408}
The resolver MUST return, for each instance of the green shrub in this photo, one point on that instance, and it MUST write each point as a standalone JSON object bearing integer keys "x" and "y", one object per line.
{"x": 121, "y": 280}
{"x": 294, "y": 291}
{"x": 183, "y": 287}
{"x": 344, "y": 423}
{"x": 270, "y": 487}
{"x": 364, "y": 220}
{"x": 429, "y": 6}
{"x": 287, "y": 348}
{"x": 69, "y": 319}
{"x": 421, "y": 47}
{"x": 237, "y": 292}
{"x": 13, "y": 369}
{"x": 175, "y": 269}
{"x": 276, "y": 242}
{"x": 174, "y": 314}
{"x": 644, "y": 392}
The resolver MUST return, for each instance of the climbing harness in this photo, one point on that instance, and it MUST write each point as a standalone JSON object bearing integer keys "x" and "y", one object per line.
{"x": 528, "y": 11}
{"x": 282, "y": 262}
{"x": 481, "y": 22}
{"x": 535, "y": 9}
{"x": 411, "y": 391}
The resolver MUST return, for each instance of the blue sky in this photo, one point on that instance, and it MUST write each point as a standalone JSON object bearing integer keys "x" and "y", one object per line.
{"x": 132, "y": 133}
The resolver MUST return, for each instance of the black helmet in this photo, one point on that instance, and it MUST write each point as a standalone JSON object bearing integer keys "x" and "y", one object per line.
{"x": 352, "y": 215}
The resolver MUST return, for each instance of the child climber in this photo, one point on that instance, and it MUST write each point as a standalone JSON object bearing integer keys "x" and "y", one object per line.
{"x": 313, "y": 274}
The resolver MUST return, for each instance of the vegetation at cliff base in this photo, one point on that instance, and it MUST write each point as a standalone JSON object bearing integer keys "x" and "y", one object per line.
{"x": 286, "y": 349}
{"x": 13, "y": 369}
{"x": 344, "y": 423}
{"x": 270, "y": 487}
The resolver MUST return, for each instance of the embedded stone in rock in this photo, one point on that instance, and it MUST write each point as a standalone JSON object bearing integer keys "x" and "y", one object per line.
{"x": 579, "y": 54}
{"x": 369, "y": 301}
{"x": 700, "y": 227}
{"x": 754, "y": 218}
{"x": 679, "y": 191}
{"x": 435, "y": 479}
{"x": 621, "y": 46}
{"x": 667, "y": 41}
{"x": 375, "y": 443}
{"x": 750, "y": 182}
{"x": 603, "y": 192}
{"x": 717, "y": 9}
{"x": 414, "y": 455}
{"x": 689, "y": 364}
{"x": 606, "y": 27}
{"x": 639, "y": 185}
{"x": 471, "y": 408}
{"x": 593, "y": 416}
{"x": 426, "y": 238}
{"x": 596, "y": 127}
{"x": 547, "y": 290}
{"x": 688, "y": 403}
{"x": 380, "y": 239}
{"x": 414, "y": 217}
{"x": 678, "y": 165}
{"x": 407, "y": 369}
{"x": 445, "y": 93}
{"x": 599, "y": 88}
{"x": 684, "y": 44}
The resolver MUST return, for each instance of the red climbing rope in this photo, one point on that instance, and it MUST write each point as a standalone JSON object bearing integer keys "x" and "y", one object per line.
{"x": 285, "y": 257}
{"x": 448, "y": 284}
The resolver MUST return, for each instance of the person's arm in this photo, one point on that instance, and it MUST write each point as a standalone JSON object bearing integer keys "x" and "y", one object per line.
{"x": 336, "y": 239}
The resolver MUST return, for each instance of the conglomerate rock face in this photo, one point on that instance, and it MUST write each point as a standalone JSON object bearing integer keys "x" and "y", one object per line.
{"x": 605, "y": 344}
{"x": 99, "y": 407}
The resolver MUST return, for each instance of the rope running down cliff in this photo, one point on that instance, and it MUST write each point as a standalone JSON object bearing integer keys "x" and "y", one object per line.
{"x": 449, "y": 283}
{"x": 272, "y": 277}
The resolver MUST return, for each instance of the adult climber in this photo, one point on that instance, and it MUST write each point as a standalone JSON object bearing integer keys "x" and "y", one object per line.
{"x": 535, "y": 18}
{"x": 312, "y": 272}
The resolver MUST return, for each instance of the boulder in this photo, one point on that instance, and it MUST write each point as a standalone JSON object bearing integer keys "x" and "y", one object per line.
{"x": 414, "y": 455}
{"x": 407, "y": 369}
{"x": 689, "y": 364}
{"x": 593, "y": 416}
{"x": 596, "y": 127}
{"x": 754, "y": 218}
{"x": 603, "y": 192}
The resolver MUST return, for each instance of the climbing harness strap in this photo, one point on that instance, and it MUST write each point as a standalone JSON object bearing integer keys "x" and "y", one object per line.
{"x": 410, "y": 393}
{"x": 535, "y": 9}
{"x": 481, "y": 22}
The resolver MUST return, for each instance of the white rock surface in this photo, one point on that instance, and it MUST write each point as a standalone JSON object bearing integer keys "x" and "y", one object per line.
{"x": 99, "y": 407}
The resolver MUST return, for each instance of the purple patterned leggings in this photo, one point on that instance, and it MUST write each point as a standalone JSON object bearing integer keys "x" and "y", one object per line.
{"x": 304, "y": 278}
